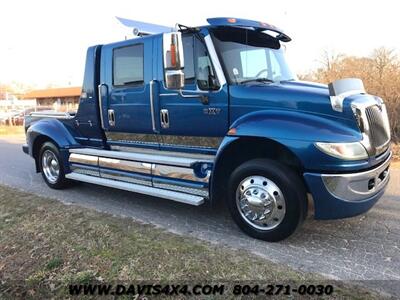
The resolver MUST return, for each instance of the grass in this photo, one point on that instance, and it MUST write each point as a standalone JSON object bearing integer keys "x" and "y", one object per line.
{"x": 11, "y": 130}
{"x": 46, "y": 245}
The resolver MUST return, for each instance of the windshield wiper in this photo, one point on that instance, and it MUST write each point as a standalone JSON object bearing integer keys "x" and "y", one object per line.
{"x": 292, "y": 79}
{"x": 257, "y": 80}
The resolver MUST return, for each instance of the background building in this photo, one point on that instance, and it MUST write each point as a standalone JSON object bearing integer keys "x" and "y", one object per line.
{"x": 60, "y": 99}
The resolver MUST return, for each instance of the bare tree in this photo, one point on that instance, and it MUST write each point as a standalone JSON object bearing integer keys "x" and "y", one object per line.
{"x": 380, "y": 73}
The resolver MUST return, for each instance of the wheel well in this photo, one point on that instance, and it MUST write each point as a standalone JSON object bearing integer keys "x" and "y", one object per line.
{"x": 243, "y": 150}
{"x": 37, "y": 144}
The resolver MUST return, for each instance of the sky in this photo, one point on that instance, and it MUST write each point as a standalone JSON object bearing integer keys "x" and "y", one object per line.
{"x": 44, "y": 42}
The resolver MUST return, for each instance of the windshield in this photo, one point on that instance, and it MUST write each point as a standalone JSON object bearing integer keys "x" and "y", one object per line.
{"x": 250, "y": 55}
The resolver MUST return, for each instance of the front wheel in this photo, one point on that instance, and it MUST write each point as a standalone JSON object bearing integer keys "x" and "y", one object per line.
{"x": 267, "y": 200}
{"x": 51, "y": 166}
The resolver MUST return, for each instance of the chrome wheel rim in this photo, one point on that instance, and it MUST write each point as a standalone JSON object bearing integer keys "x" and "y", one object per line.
{"x": 50, "y": 166}
{"x": 260, "y": 202}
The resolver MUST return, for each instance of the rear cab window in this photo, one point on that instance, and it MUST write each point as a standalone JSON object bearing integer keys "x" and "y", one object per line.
{"x": 128, "y": 66}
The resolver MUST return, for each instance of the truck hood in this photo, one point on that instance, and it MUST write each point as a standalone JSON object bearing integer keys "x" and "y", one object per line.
{"x": 300, "y": 96}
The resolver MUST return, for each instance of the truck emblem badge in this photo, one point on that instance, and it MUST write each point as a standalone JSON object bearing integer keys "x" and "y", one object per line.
{"x": 211, "y": 111}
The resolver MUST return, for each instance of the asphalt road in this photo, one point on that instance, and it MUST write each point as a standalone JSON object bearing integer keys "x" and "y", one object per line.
{"x": 365, "y": 247}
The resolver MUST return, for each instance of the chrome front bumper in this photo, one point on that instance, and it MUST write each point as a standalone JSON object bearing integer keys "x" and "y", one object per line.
{"x": 358, "y": 186}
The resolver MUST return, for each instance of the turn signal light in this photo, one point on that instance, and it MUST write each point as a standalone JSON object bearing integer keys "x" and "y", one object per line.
{"x": 232, "y": 131}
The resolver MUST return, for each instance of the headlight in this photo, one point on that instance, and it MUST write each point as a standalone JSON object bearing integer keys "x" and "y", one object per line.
{"x": 347, "y": 151}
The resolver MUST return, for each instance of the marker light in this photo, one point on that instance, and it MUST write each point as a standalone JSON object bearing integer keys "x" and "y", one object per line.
{"x": 232, "y": 131}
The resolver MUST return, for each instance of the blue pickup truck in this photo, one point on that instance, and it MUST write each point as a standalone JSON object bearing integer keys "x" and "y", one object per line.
{"x": 214, "y": 113}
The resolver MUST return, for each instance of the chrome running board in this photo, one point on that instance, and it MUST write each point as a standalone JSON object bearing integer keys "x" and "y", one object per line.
{"x": 142, "y": 157}
{"x": 131, "y": 187}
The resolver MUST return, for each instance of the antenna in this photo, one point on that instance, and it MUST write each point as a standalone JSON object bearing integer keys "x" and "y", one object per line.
{"x": 142, "y": 28}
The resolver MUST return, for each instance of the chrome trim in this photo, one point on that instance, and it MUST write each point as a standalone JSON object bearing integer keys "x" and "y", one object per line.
{"x": 359, "y": 107}
{"x": 203, "y": 191}
{"x": 378, "y": 119}
{"x": 174, "y": 79}
{"x": 164, "y": 118}
{"x": 197, "y": 156}
{"x": 260, "y": 202}
{"x": 215, "y": 60}
{"x": 168, "y": 94}
{"x": 134, "y": 148}
{"x": 153, "y": 121}
{"x": 337, "y": 101}
{"x": 141, "y": 157}
{"x": 131, "y": 137}
{"x": 191, "y": 141}
{"x": 218, "y": 71}
{"x": 179, "y": 173}
{"x": 83, "y": 159}
{"x": 151, "y": 191}
{"x": 101, "y": 103}
{"x": 111, "y": 117}
{"x": 131, "y": 178}
{"x": 50, "y": 166}
{"x": 56, "y": 115}
{"x": 84, "y": 170}
{"x": 342, "y": 88}
{"x": 176, "y": 39}
{"x": 125, "y": 165}
{"x": 354, "y": 186}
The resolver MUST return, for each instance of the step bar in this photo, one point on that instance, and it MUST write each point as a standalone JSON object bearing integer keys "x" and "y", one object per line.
{"x": 141, "y": 189}
{"x": 142, "y": 157}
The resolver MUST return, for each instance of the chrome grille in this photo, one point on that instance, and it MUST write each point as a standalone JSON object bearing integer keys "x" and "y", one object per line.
{"x": 378, "y": 131}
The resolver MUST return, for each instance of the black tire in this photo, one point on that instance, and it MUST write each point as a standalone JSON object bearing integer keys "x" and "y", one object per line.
{"x": 290, "y": 185}
{"x": 60, "y": 182}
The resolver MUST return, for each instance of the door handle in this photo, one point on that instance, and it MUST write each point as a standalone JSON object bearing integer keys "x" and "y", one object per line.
{"x": 111, "y": 117}
{"x": 164, "y": 117}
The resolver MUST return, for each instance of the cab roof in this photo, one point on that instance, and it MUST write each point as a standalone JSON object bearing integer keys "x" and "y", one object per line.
{"x": 255, "y": 25}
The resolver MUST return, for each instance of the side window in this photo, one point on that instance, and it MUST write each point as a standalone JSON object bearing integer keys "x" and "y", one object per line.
{"x": 205, "y": 77}
{"x": 128, "y": 65}
{"x": 198, "y": 67}
{"x": 188, "y": 50}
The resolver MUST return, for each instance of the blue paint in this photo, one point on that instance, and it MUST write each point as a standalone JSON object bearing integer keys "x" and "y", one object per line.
{"x": 293, "y": 114}
{"x": 248, "y": 23}
{"x": 329, "y": 207}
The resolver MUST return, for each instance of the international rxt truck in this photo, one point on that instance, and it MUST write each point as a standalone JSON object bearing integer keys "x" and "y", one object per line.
{"x": 214, "y": 113}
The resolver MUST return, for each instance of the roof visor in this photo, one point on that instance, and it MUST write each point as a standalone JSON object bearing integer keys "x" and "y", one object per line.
{"x": 258, "y": 26}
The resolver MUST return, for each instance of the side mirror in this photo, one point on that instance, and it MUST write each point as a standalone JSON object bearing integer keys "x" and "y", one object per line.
{"x": 174, "y": 79}
{"x": 173, "y": 60}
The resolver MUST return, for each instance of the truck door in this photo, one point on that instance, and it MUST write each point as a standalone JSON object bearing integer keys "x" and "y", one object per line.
{"x": 198, "y": 116}
{"x": 125, "y": 89}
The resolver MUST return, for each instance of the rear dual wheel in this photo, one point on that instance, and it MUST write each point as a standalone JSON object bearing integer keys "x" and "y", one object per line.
{"x": 267, "y": 199}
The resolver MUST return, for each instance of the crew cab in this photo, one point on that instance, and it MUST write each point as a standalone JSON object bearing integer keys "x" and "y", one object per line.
{"x": 214, "y": 113}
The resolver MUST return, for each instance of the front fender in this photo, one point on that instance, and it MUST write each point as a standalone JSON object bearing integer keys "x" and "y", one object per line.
{"x": 298, "y": 132}
{"x": 53, "y": 129}
{"x": 294, "y": 125}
